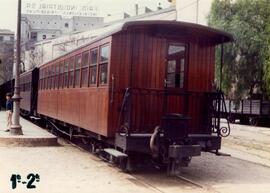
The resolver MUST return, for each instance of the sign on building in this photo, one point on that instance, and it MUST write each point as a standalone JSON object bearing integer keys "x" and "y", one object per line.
{"x": 64, "y": 9}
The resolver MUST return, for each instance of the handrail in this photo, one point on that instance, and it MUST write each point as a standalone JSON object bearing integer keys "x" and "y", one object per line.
{"x": 215, "y": 99}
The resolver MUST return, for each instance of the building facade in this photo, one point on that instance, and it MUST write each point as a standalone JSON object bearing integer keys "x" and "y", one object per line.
{"x": 180, "y": 10}
{"x": 41, "y": 27}
{"x": 38, "y": 28}
{"x": 48, "y": 49}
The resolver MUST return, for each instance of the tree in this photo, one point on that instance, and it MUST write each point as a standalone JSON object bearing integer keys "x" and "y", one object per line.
{"x": 7, "y": 60}
{"x": 246, "y": 61}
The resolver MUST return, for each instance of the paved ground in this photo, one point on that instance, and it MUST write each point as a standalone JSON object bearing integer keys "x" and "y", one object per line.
{"x": 68, "y": 169}
{"x": 32, "y": 134}
{"x": 249, "y": 143}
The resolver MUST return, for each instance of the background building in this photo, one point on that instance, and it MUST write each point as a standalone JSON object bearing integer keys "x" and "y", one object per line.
{"x": 41, "y": 27}
{"x": 6, "y": 55}
{"x": 37, "y": 28}
{"x": 71, "y": 33}
{"x": 194, "y": 11}
{"x": 48, "y": 49}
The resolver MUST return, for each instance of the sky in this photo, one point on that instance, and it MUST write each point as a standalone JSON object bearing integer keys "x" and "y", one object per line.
{"x": 8, "y": 8}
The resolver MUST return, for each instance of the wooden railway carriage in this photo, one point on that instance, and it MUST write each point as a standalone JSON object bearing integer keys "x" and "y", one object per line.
{"x": 29, "y": 91}
{"x": 137, "y": 77}
{"x": 4, "y": 89}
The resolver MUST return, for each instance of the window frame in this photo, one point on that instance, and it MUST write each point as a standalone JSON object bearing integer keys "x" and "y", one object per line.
{"x": 100, "y": 63}
{"x": 77, "y": 68}
{"x": 66, "y": 73}
{"x": 71, "y": 71}
{"x": 178, "y": 64}
{"x": 56, "y": 76}
{"x": 61, "y": 76}
{"x": 93, "y": 65}
{"x": 83, "y": 67}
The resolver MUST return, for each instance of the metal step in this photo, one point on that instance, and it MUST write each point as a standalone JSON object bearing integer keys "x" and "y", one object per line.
{"x": 115, "y": 153}
{"x": 35, "y": 118}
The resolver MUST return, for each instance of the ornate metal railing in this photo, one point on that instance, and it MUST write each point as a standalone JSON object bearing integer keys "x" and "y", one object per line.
{"x": 218, "y": 105}
{"x": 211, "y": 105}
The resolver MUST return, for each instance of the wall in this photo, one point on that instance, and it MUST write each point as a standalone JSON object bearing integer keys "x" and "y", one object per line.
{"x": 187, "y": 10}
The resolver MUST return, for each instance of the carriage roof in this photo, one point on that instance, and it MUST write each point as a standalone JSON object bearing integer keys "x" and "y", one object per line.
{"x": 217, "y": 36}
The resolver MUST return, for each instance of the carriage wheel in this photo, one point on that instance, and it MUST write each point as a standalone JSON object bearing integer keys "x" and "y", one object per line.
{"x": 231, "y": 119}
{"x": 253, "y": 121}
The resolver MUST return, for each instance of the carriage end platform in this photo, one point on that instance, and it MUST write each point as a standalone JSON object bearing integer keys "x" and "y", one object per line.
{"x": 32, "y": 135}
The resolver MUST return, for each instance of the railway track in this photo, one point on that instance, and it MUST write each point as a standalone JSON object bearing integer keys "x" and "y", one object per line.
{"x": 142, "y": 181}
{"x": 77, "y": 143}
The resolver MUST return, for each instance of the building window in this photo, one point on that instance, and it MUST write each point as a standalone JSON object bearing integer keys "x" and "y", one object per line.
{"x": 85, "y": 64}
{"x": 1, "y": 38}
{"x": 176, "y": 65}
{"x": 93, "y": 67}
{"x": 66, "y": 25}
{"x": 103, "y": 65}
{"x": 44, "y": 37}
{"x": 78, "y": 63}
{"x": 34, "y": 36}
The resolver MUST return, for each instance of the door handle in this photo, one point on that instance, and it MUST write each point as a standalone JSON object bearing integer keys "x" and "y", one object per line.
{"x": 165, "y": 82}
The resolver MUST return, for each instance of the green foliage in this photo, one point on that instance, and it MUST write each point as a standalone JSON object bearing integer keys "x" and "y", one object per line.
{"x": 246, "y": 61}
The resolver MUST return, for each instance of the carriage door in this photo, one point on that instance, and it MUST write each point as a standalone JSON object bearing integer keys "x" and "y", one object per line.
{"x": 175, "y": 80}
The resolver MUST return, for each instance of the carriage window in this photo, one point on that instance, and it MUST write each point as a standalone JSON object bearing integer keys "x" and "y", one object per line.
{"x": 71, "y": 72}
{"x": 175, "y": 49}
{"x": 66, "y": 73}
{"x": 85, "y": 77}
{"x": 103, "y": 65}
{"x": 49, "y": 77}
{"x": 61, "y": 75}
{"x": 85, "y": 59}
{"x": 93, "y": 67}
{"x": 85, "y": 73}
{"x": 104, "y": 54}
{"x": 78, "y": 70}
{"x": 53, "y": 75}
{"x": 176, "y": 66}
{"x": 40, "y": 80}
{"x": 44, "y": 79}
{"x": 56, "y": 81}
